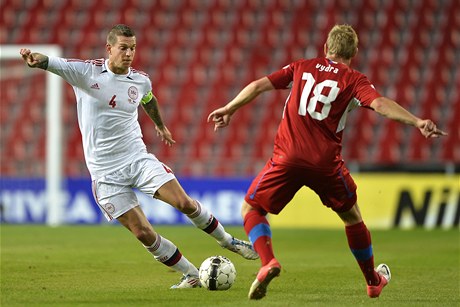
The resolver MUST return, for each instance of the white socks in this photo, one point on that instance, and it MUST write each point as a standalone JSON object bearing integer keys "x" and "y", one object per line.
{"x": 167, "y": 253}
{"x": 204, "y": 220}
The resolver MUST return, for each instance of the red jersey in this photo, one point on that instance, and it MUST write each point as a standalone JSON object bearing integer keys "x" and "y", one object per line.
{"x": 314, "y": 116}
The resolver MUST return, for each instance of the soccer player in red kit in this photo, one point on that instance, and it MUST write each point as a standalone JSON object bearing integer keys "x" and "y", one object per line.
{"x": 307, "y": 150}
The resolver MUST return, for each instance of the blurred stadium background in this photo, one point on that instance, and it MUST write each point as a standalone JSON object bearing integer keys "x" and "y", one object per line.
{"x": 200, "y": 53}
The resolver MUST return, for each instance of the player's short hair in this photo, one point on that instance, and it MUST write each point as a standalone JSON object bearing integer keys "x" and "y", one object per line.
{"x": 119, "y": 30}
{"x": 342, "y": 41}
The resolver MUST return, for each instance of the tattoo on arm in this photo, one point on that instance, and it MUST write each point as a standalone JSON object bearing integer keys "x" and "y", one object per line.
{"x": 153, "y": 112}
{"x": 42, "y": 59}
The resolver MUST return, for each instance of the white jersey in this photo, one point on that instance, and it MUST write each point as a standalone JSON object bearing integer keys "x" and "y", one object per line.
{"x": 107, "y": 106}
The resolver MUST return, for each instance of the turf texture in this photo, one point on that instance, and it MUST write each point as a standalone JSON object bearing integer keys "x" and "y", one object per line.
{"x": 106, "y": 266}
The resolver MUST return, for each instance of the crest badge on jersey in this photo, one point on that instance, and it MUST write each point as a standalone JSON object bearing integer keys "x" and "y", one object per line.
{"x": 133, "y": 93}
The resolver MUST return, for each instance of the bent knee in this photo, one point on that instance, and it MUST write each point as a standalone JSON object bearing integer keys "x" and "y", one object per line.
{"x": 144, "y": 233}
{"x": 245, "y": 209}
{"x": 352, "y": 216}
{"x": 185, "y": 205}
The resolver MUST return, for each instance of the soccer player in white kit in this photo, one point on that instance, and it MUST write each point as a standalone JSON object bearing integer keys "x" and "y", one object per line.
{"x": 108, "y": 93}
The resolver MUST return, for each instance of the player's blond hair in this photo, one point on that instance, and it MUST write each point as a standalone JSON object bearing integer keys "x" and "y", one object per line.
{"x": 342, "y": 41}
{"x": 119, "y": 30}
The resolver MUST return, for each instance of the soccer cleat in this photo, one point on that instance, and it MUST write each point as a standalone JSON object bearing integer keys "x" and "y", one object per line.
{"x": 385, "y": 276}
{"x": 188, "y": 282}
{"x": 264, "y": 277}
{"x": 242, "y": 248}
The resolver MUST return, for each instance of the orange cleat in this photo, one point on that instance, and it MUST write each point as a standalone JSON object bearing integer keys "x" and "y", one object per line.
{"x": 385, "y": 275}
{"x": 264, "y": 277}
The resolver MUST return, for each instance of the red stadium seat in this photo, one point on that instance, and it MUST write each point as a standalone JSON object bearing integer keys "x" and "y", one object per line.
{"x": 199, "y": 54}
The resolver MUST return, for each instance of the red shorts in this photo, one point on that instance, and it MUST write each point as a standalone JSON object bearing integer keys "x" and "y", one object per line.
{"x": 277, "y": 184}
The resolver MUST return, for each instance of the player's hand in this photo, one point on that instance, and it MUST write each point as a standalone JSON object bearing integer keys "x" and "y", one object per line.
{"x": 429, "y": 129}
{"x": 221, "y": 118}
{"x": 28, "y": 57}
{"x": 165, "y": 135}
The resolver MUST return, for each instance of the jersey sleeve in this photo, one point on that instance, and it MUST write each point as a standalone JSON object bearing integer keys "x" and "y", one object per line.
{"x": 147, "y": 94}
{"x": 365, "y": 92}
{"x": 72, "y": 71}
{"x": 282, "y": 79}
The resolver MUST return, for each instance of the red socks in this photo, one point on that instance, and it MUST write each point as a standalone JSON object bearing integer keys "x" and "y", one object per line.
{"x": 258, "y": 230}
{"x": 359, "y": 241}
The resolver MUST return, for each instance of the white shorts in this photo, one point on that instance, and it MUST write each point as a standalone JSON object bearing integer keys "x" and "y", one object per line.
{"x": 114, "y": 192}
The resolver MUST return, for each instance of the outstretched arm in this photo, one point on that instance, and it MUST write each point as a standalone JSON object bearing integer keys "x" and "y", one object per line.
{"x": 221, "y": 117}
{"x": 153, "y": 111}
{"x": 35, "y": 59}
{"x": 393, "y": 110}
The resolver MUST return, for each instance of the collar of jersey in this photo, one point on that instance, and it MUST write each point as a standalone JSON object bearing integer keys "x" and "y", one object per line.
{"x": 107, "y": 69}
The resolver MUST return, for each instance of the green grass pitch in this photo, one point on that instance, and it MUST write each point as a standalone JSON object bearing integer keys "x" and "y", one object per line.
{"x": 106, "y": 266}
